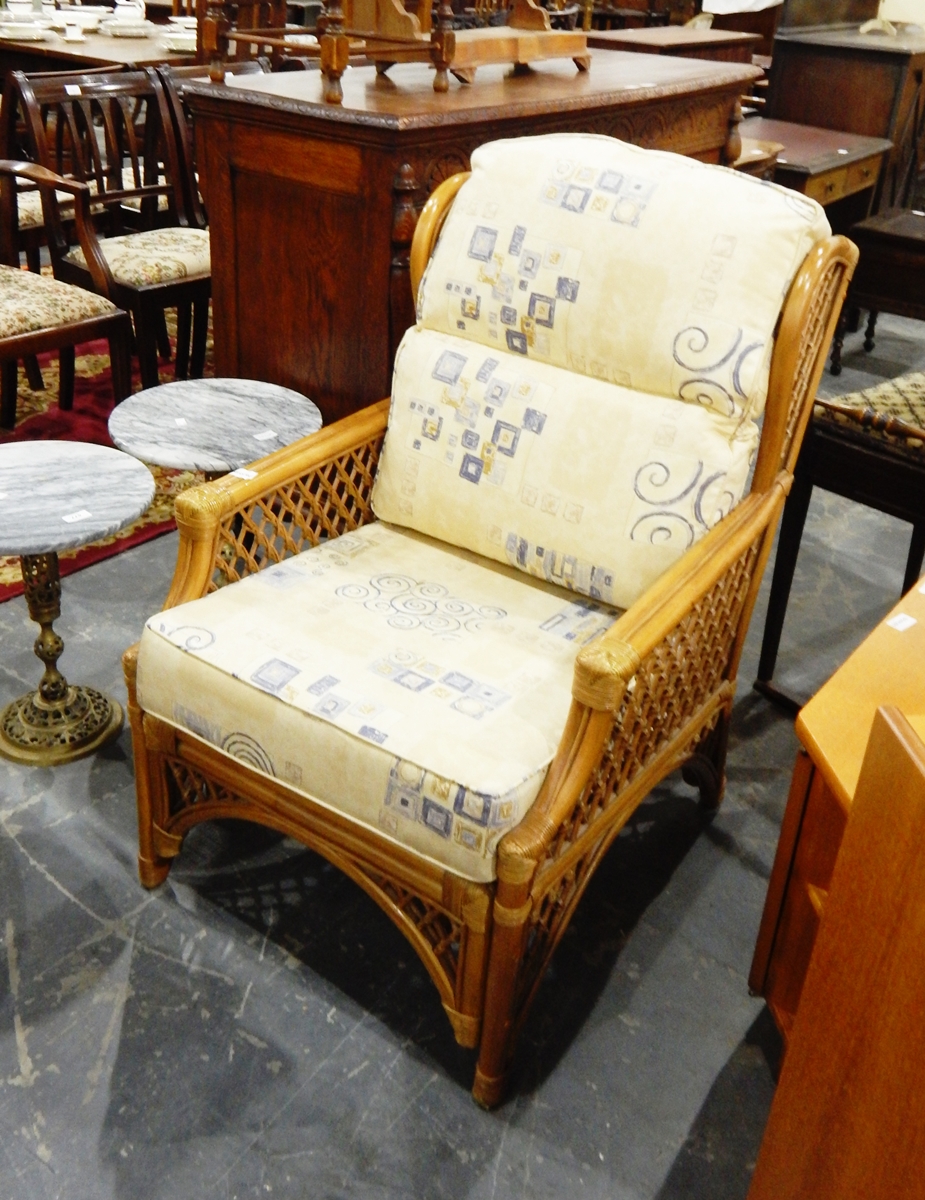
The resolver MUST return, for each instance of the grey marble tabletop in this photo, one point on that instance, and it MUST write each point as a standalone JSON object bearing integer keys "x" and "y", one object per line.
{"x": 211, "y": 424}
{"x": 59, "y": 495}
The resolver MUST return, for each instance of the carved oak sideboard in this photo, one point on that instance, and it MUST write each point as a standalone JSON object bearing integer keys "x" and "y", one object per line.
{"x": 312, "y": 207}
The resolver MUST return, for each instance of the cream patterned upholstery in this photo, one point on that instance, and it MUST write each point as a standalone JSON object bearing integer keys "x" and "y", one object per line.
{"x": 406, "y": 683}
{"x": 153, "y": 256}
{"x": 578, "y": 403}
{"x": 537, "y": 394}
{"x": 31, "y": 302}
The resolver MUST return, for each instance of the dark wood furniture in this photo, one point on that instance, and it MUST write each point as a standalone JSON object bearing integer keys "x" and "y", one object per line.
{"x": 838, "y": 78}
{"x": 315, "y": 206}
{"x": 114, "y": 132}
{"x": 840, "y": 170}
{"x": 63, "y": 324}
{"x": 852, "y": 462}
{"x": 680, "y": 40}
{"x": 96, "y": 50}
{"x": 763, "y": 24}
{"x": 848, "y": 1118}
{"x": 833, "y": 729}
{"x": 891, "y": 272}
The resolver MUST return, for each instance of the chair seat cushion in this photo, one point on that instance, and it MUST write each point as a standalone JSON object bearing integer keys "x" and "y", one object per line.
{"x": 29, "y": 202}
{"x": 586, "y": 484}
{"x": 29, "y": 303}
{"x": 414, "y": 687}
{"x": 892, "y": 411}
{"x": 154, "y": 256}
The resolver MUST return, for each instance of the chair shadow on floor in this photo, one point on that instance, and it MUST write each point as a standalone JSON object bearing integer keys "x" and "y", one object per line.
{"x": 314, "y": 912}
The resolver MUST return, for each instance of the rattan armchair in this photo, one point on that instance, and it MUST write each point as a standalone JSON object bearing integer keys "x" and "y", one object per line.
{"x": 652, "y": 695}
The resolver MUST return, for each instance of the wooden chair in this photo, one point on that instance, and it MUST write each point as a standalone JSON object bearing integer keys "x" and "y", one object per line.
{"x": 481, "y": 880}
{"x": 39, "y": 314}
{"x": 868, "y": 447}
{"x": 848, "y": 1117}
{"x": 115, "y": 132}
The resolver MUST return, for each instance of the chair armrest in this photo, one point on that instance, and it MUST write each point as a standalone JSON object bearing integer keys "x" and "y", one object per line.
{"x": 319, "y": 487}
{"x": 50, "y": 183}
{"x": 660, "y": 671}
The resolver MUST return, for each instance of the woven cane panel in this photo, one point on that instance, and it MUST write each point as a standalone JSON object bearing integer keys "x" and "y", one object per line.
{"x": 813, "y": 334}
{"x": 188, "y": 789}
{"x": 674, "y": 682}
{"x": 327, "y": 502}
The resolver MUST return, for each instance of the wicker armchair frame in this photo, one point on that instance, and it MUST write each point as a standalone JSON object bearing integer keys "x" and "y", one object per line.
{"x": 653, "y": 695}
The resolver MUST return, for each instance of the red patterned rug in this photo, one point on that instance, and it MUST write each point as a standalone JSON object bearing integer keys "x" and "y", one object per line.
{"x": 38, "y": 417}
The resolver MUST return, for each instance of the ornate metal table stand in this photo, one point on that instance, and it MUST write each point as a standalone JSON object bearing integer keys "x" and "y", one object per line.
{"x": 59, "y": 722}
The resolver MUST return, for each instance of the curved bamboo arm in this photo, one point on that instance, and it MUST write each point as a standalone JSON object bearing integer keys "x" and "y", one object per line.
{"x": 202, "y": 511}
{"x": 605, "y": 670}
{"x": 429, "y": 225}
{"x": 807, "y": 324}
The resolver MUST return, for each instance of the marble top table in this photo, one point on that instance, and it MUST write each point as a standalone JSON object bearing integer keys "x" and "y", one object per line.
{"x": 212, "y": 425}
{"x": 56, "y": 496}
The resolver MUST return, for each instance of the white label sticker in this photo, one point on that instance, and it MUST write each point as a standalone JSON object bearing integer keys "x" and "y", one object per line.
{"x": 77, "y": 516}
{"x": 243, "y": 473}
{"x": 72, "y": 89}
{"x": 902, "y": 622}
{"x": 262, "y": 437}
{"x": 179, "y": 421}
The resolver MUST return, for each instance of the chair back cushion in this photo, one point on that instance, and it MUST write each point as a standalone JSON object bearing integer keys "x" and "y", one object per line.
{"x": 581, "y": 393}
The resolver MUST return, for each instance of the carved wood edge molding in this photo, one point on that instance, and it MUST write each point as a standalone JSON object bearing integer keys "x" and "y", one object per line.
{"x": 728, "y": 82}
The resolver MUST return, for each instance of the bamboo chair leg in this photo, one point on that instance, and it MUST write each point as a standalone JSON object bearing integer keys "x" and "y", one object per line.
{"x": 200, "y": 334}
{"x": 66, "y": 378}
{"x": 9, "y": 379}
{"x": 34, "y": 373}
{"x": 181, "y": 354}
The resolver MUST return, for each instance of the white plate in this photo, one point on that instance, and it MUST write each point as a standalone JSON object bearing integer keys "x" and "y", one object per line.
{"x": 26, "y": 32}
{"x": 179, "y": 44}
{"x": 183, "y": 22}
{"x": 75, "y": 17}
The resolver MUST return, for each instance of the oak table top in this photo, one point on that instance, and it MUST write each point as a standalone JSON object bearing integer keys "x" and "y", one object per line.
{"x": 887, "y": 668}
{"x": 96, "y": 50}
{"x": 720, "y": 44}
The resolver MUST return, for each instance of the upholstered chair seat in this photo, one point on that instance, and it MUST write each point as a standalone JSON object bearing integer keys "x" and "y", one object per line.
{"x": 29, "y": 203}
{"x": 892, "y": 411}
{"x": 29, "y": 303}
{"x": 153, "y": 256}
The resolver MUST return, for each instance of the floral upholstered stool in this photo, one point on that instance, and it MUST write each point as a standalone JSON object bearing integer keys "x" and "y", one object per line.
{"x": 868, "y": 446}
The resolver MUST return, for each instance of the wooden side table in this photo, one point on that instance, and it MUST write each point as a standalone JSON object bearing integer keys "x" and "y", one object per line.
{"x": 833, "y": 729}
{"x": 683, "y": 41}
{"x": 840, "y": 170}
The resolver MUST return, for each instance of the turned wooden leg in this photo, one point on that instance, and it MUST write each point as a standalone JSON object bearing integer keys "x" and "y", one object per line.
{"x": 66, "y": 357}
{"x": 838, "y": 340}
{"x": 869, "y": 331}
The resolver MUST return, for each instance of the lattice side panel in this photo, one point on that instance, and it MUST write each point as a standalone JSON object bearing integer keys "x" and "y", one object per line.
{"x": 812, "y": 336}
{"x": 439, "y": 930}
{"x": 187, "y": 788}
{"x": 326, "y": 502}
{"x": 673, "y": 683}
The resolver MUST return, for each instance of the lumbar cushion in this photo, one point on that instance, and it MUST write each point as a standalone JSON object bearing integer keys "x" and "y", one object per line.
{"x": 588, "y": 485}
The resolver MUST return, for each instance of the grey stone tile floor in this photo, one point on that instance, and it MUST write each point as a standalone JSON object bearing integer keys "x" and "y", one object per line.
{"x": 257, "y": 1028}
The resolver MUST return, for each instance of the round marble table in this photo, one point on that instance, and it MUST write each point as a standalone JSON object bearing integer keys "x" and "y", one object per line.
{"x": 57, "y": 496}
{"x": 211, "y": 425}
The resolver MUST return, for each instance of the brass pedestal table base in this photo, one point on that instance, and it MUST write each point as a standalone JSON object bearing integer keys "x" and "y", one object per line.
{"x": 58, "y": 722}
{"x": 57, "y": 496}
